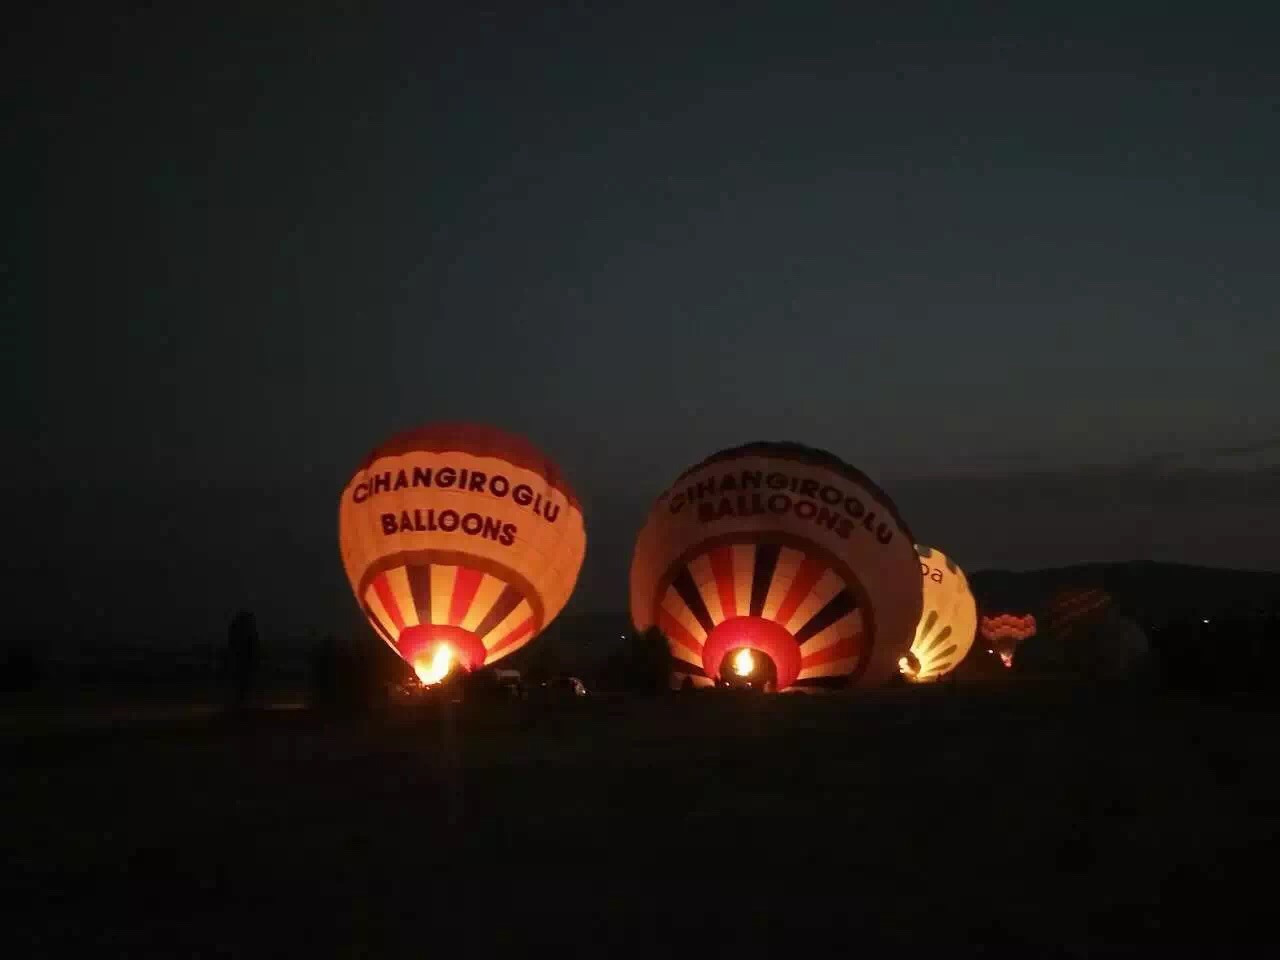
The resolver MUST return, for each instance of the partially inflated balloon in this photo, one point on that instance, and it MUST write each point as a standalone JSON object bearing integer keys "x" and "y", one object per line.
{"x": 461, "y": 542}
{"x": 1072, "y": 607}
{"x": 783, "y": 551}
{"x": 948, "y": 622}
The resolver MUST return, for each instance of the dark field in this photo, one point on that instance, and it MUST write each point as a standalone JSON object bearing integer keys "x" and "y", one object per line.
{"x": 1049, "y": 821}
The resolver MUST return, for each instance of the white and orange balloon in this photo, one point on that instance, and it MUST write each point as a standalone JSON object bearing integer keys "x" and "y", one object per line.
{"x": 777, "y": 557}
{"x": 461, "y": 542}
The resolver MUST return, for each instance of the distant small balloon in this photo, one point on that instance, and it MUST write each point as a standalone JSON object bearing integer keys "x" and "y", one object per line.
{"x": 1004, "y": 631}
{"x": 1071, "y": 607}
{"x": 1008, "y": 626}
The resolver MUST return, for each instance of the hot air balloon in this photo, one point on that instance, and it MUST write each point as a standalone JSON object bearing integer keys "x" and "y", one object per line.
{"x": 461, "y": 542}
{"x": 1108, "y": 647}
{"x": 776, "y": 565}
{"x": 1004, "y": 631}
{"x": 1074, "y": 607}
{"x": 948, "y": 622}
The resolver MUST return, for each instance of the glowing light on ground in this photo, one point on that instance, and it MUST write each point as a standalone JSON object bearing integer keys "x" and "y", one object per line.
{"x": 743, "y": 662}
{"x": 437, "y": 668}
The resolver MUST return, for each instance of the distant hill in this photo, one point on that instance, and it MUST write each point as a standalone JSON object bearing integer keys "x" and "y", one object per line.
{"x": 1152, "y": 593}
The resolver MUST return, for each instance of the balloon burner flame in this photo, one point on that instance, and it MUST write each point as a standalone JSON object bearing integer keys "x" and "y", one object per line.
{"x": 434, "y": 670}
{"x": 909, "y": 665}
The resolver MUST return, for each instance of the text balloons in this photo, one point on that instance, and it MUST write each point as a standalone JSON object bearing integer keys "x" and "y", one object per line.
{"x": 461, "y": 542}
{"x": 948, "y": 622}
{"x": 784, "y": 550}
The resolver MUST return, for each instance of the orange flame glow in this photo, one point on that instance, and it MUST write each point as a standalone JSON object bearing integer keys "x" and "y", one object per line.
{"x": 743, "y": 662}
{"x": 434, "y": 670}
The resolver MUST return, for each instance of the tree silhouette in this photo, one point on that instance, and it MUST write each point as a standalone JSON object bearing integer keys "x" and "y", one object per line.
{"x": 641, "y": 665}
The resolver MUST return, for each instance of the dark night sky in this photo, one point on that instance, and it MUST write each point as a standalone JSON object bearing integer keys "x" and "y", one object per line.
{"x": 1019, "y": 268}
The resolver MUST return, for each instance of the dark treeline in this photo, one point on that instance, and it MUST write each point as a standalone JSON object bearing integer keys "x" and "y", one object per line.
{"x": 1224, "y": 655}
{"x": 1211, "y": 656}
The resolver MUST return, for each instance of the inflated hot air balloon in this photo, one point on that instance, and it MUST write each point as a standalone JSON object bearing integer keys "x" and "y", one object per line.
{"x": 948, "y": 622}
{"x": 1004, "y": 631}
{"x": 461, "y": 542}
{"x": 775, "y": 565}
{"x": 1110, "y": 646}
{"x": 1074, "y": 607}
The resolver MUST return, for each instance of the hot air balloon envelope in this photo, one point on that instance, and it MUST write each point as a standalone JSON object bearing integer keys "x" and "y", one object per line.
{"x": 1004, "y": 631}
{"x": 948, "y": 623}
{"x": 461, "y": 542}
{"x": 785, "y": 551}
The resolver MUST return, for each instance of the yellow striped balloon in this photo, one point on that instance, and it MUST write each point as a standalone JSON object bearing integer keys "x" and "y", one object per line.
{"x": 948, "y": 621}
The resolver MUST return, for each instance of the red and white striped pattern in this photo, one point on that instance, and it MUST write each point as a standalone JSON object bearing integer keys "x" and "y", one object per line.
{"x": 449, "y": 595}
{"x": 777, "y": 583}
